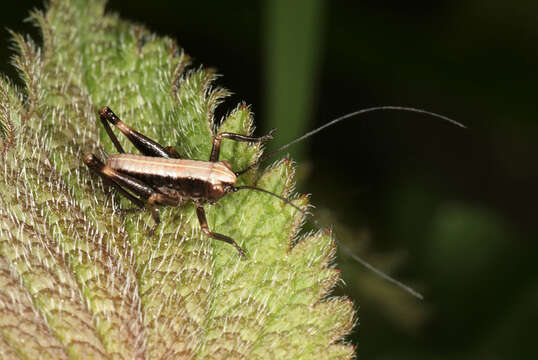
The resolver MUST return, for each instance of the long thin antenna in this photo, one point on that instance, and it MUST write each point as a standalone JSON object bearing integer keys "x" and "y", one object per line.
{"x": 344, "y": 117}
{"x": 314, "y": 221}
{"x": 355, "y": 257}
{"x": 237, "y": 188}
{"x": 380, "y": 273}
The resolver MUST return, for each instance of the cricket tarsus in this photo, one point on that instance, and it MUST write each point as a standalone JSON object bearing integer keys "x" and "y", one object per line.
{"x": 200, "y": 212}
{"x": 217, "y": 141}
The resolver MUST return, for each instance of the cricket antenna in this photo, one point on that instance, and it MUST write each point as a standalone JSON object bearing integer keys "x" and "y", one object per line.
{"x": 380, "y": 273}
{"x": 327, "y": 231}
{"x": 237, "y": 188}
{"x": 344, "y": 117}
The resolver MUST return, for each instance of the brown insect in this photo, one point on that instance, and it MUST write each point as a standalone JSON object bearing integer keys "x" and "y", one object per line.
{"x": 160, "y": 177}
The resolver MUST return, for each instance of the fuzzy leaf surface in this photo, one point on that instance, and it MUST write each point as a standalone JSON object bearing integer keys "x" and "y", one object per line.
{"x": 80, "y": 279}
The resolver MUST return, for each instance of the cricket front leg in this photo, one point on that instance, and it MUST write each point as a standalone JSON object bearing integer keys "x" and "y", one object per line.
{"x": 217, "y": 141}
{"x": 205, "y": 229}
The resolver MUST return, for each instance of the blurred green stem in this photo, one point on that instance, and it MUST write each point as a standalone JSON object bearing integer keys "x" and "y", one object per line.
{"x": 293, "y": 36}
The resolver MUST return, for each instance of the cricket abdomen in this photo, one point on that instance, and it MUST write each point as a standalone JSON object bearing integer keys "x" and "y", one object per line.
{"x": 191, "y": 178}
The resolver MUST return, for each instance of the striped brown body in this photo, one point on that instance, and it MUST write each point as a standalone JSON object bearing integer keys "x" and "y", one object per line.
{"x": 178, "y": 178}
{"x": 159, "y": 177}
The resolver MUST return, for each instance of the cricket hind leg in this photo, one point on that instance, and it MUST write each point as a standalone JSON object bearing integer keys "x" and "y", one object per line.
{"x": 217, "y": 141}
{"x": 143, "y": 143}
{"x": 147, "y": 195}
{"x": 97, "y": 166}
{"x": 205, "y": 229}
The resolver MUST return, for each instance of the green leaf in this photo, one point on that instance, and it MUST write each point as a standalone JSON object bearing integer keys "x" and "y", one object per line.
{"x": 79, "y": 279}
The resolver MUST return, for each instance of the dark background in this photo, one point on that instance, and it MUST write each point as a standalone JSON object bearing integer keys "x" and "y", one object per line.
{"x": 450, "y": 211}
